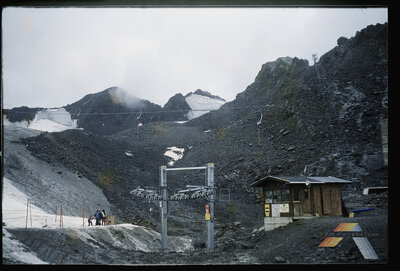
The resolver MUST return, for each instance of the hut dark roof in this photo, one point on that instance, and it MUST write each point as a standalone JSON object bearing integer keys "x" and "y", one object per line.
{"x": 300, "y": 179}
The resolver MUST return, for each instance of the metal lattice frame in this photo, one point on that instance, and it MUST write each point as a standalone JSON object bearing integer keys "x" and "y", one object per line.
{"x": 196, "y": 191}
{"x": 199, "y": 191}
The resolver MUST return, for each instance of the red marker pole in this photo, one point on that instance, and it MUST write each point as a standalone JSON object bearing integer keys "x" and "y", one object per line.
{"x": 30, "y": 209}
{"x": 61, "y": 216}
{"x": 89, "y": 214}
{"x": 27, "y": 204}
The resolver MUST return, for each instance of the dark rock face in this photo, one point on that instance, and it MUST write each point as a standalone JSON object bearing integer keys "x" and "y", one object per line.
{"x": 121, "y": 162}
{"x": 176, "y": 108}
{"x": 326, "y": 116}
{"x": 22, "y": 113}
{"x": 341, "y": 40}
{"x": 112, "y": 110}
{"x": 205, "y": 93}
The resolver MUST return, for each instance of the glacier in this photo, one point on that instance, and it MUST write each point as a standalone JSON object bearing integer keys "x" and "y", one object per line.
{"x": 49, "y": 120}
{"x": 201, "y": 105}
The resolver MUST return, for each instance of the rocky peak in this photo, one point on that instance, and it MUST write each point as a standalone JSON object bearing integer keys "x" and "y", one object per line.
{"x": 176, "y": 108}
{"x": 206, "y": 93}
{"x": 328, "y": 115}
{"x": 112, "y": 110}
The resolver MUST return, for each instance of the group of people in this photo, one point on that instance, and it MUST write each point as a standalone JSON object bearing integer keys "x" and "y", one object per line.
{"x": 100, "y": 217}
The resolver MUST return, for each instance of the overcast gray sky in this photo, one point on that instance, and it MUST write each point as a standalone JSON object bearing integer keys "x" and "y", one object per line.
{"x": 54, "y": 56}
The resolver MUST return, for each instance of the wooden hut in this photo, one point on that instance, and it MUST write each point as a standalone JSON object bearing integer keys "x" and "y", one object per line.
{"x": 288, "y": 198}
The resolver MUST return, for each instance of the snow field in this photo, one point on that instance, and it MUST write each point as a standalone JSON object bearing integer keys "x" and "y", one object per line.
{"x": 48, "y": 120}
{"x": 126, "y": 236}
{"x": 15, "y": 207}
{"x": 201, "y": 105}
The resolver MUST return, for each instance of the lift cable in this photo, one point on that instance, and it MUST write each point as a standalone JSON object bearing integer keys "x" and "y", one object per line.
{"x": 261, "y": 107}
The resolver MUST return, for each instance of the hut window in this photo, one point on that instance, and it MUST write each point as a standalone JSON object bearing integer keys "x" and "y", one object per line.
{"x": 277, "y": 196}
{"x": 285, "y": 195}
{"x": 296, "y": 196}
{"x": 268, "y": 196}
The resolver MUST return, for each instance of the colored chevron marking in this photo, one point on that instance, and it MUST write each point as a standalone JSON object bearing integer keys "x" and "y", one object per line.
{"x": 348, "y": 227}
{"x": 330, "y": 242}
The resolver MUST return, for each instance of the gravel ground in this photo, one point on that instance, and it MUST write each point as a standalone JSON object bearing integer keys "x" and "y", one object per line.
{"x": 237, "y": 236}
{"x": 296, "y": 243}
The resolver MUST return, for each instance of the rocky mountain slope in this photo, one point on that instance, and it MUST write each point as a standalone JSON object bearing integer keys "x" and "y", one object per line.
{"x": 49, "y": 183}
{"x": 330, "y": 125}
{"x": 22, "y": 113}
{"x": 177, "y": 108}
{"x": 112, "y": 110}
{"x": 326, "y": 117}
{"x": 192, "y": 105}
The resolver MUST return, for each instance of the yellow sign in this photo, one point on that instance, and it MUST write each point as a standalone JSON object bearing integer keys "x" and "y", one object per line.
{"x": 267, "y": 210}
{"x": 207, "y": 217}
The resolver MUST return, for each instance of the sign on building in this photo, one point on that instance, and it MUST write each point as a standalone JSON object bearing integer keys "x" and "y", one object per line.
{"x": 275, "y": 210}
{"x": 267, "y": 210}
{"x": 284, "y": 208}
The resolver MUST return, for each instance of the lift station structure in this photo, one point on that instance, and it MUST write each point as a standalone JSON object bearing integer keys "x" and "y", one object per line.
{"x": 197, "y": 191}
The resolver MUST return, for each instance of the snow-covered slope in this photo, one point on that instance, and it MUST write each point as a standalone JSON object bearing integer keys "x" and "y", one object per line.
{"x": 49, "y": 120}
{"x": 53, "y": 120}
{"x": 30, "y": 230}
{"x": 17, "y": 215}
{"x": 201, "y": 105}
{"x": 15, "y": 209}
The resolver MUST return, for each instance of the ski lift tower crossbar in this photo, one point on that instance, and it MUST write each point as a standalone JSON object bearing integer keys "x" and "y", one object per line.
{"x": 164, "y": 200}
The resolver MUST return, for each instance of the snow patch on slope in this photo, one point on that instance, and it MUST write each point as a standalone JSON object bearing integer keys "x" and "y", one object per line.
{"x": 126, "y": 236}
{"x": 175, "y": 154}
{"x": 53, "y": 120}
{"x": 48, "y": 120}
{"x": 201, "y": 105}
{"x": 14, "y": 211}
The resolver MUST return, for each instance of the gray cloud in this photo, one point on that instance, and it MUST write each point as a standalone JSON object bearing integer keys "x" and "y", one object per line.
{"x": 53, "y": 57}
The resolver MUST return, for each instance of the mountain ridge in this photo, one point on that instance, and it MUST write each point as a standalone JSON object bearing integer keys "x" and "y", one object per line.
{"x": 114, "y": 110}
{"x": 328, "y": 115}
{"x": 320, "y": 120}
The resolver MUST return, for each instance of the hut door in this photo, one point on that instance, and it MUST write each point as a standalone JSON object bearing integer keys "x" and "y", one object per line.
{"x": 305, "y": 198}
{"x": 326, "y": 199}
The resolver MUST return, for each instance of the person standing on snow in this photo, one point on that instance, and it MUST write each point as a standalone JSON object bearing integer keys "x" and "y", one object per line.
{"x": 90, "y": 221}
{"x": 98, "y": 217}
{"x": 103, "y": 217}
